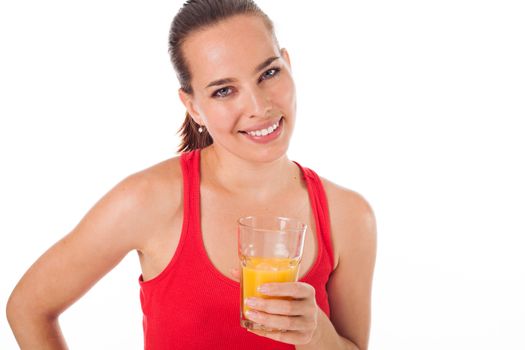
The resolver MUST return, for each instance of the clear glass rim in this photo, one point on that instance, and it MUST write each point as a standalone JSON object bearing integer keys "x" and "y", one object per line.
{"x": 300, "y": 227}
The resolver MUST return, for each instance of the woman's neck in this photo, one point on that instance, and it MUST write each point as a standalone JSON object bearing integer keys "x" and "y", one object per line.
{"x": 238, "y": 176}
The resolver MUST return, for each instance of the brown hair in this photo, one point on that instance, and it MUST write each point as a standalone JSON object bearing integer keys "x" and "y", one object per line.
{"x": 195, "y": 15}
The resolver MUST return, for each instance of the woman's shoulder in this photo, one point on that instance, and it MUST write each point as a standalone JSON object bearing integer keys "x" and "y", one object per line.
{"x": 352, "y": 218}
{"x": 147, "y": 198}
{"x": 160, "y": 183}
{"x": 343, "y": 199}
{"x": 160, "y": 174}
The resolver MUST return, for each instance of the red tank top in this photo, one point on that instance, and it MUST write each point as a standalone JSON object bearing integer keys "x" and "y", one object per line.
{"x": 191, "y": 305}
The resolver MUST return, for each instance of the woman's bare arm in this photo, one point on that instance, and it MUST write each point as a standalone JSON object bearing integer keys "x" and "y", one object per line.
{"x": 349, "y": 288}
{"x": 116, "y": 225}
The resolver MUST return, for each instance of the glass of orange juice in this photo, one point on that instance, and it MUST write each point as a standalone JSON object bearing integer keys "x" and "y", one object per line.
{"x": 270, "y": 250}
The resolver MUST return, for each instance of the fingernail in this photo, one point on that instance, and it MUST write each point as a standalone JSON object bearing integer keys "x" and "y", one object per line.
{"x": 263, "y": 289}
{"x": 250, "y": 314}
{"x": 251, "y": 302}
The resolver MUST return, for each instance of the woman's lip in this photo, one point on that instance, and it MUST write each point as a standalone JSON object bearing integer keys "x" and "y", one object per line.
{"x": 262, "y": 126}
{"x": 263, "y": 139}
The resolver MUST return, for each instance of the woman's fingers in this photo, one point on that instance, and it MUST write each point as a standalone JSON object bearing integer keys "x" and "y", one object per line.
{"x": 289, "y": 337}
{"x": 296, "y": 290}
{"x": 291, "y": 308}
{"x": 278, "y": 306}
{"x": 273, "y": 321}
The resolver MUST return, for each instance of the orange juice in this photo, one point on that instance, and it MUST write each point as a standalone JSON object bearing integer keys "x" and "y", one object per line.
{"x": 257, "y": 271}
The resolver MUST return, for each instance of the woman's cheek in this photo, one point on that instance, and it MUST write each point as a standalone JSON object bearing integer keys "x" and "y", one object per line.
{"x": 286, "y": 93}
{"x": 224, "y": 116}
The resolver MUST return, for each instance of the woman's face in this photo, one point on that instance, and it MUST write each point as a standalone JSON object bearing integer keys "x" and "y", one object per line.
{"x": 251, "y": 112}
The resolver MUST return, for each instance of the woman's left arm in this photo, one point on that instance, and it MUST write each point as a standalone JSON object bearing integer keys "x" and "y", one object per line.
{"x": 349, "y": 288}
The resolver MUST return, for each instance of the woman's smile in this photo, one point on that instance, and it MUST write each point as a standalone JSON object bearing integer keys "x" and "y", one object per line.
{"x": 265, "y": 135}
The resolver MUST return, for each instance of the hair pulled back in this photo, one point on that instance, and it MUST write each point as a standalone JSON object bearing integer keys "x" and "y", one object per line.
{"x": 196, "y": 15}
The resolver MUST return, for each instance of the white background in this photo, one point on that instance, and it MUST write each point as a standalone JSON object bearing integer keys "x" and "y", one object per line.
{"x": 417, "y": 105}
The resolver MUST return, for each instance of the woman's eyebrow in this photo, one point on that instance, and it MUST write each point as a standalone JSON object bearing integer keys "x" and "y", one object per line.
{"x": 260, "y": 66}
{"x": 266, "y": 63}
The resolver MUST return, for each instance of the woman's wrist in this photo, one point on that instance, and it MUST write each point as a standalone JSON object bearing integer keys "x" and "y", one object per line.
{"x": 326, "y": 337}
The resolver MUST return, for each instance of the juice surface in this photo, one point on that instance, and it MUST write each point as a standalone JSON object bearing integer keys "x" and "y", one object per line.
{"x": 257, "y": 271}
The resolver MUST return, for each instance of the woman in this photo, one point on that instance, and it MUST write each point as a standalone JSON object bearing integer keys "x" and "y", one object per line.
{"x": 180, "y": 215}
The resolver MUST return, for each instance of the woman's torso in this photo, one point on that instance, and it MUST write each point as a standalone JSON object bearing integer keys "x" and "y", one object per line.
{"x": 194, "y": 248}
{"x": 219, "y": 212}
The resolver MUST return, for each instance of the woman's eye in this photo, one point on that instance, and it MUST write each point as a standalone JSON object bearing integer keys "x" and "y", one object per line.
{"x": 270, "y": 73}
{"x": 222, "y": 92}
{"x": 226, "y": 91}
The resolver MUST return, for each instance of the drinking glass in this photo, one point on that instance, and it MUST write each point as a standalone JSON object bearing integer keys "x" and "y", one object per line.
{"x": 270, "y": 250}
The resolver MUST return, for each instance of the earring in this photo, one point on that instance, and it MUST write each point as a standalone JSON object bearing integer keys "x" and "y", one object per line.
{"x": 201, "y": 129}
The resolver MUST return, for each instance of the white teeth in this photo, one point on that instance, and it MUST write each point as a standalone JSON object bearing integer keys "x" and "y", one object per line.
{"x": 264, "y": 132}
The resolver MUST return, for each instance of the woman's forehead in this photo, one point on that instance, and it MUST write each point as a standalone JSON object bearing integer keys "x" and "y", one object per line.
{"x": 231, "y": 48}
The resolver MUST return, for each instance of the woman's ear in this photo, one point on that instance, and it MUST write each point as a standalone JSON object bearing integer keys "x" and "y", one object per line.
{"x": 187, "y": 101}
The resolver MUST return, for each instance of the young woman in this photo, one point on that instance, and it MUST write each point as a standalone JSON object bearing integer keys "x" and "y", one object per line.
{"x": 180, "y": 215}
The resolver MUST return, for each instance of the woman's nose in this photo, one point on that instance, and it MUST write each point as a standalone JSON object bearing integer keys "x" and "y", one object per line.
{"x": 258, "y": 103}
